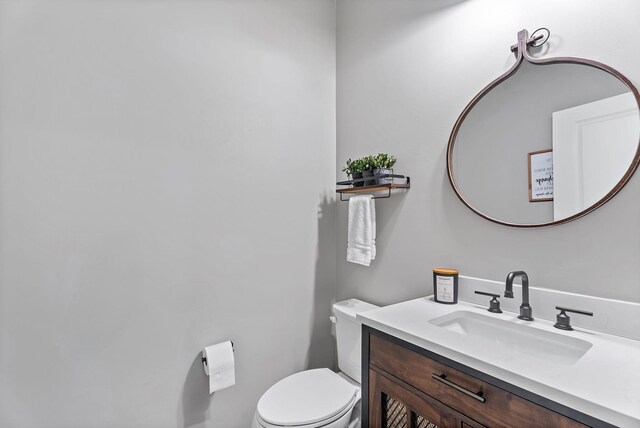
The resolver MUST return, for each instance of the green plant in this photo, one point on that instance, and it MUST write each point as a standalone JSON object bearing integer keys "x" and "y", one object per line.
{"x": 358, "y": 165}
{"x": 349, "y": 168}
{"x": 383, "y": 161}
{"x": 367, "y": 163}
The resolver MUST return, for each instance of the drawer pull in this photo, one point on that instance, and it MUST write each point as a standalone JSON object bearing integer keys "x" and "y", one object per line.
{"x": 443, "y": 379}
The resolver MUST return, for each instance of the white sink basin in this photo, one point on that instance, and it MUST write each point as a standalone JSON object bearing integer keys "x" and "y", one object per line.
{"x": 514, "y": 339}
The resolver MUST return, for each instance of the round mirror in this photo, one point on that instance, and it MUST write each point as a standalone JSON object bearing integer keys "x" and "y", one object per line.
{"x": 549, "y": 141}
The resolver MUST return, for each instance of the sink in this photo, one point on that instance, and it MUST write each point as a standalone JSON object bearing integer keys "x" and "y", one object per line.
{"x": 513, "y": 339}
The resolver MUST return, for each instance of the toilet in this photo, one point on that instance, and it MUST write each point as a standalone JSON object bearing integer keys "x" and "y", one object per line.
{"x": 321, "y": 398}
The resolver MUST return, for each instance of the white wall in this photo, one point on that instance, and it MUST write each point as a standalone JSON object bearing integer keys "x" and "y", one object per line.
{"x": 166, "y": 169}
{"x": 405, "y": 70}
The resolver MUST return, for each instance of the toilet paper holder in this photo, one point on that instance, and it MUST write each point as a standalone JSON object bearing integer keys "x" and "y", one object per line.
{"x": 204, "y": 359}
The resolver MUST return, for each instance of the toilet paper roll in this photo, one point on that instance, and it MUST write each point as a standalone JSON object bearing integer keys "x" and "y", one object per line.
{"x": 219, "y": 365}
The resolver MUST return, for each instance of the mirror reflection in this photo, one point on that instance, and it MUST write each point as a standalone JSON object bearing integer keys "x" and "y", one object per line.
{"x": 546, "y": 144}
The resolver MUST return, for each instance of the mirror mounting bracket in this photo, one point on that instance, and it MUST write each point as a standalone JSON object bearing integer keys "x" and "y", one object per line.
{"x": 530, "y": 41}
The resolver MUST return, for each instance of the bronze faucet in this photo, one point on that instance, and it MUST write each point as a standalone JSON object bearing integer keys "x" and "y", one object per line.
{"x": 525, "y": 309}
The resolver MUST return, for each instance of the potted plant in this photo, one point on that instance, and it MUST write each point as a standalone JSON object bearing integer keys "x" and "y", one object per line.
{"x": 367, "y": 169}
{"x": 382, "y": 163}
{"x": 354, "y": 169}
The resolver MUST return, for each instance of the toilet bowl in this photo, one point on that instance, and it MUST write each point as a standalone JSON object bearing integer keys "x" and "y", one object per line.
{"x": 321, "y": 398}
{"x": 309, "y": 399}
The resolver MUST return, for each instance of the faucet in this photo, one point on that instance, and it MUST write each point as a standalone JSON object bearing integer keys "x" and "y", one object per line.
{"x": 525, "y": 309}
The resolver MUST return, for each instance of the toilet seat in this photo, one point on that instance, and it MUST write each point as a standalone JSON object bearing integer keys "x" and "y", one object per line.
{"x": 309, "y": 399}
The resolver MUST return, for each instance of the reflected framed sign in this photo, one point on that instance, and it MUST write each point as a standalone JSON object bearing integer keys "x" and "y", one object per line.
{"x": 540, "y": 175}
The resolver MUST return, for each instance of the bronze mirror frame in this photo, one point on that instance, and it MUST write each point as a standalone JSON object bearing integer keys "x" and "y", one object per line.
{"x": 521, "y": 50}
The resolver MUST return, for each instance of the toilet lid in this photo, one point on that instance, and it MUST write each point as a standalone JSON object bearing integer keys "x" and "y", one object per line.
{"x": 306, "y": 397}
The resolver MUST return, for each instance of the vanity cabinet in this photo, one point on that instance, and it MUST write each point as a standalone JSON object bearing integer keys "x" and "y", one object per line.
{"x": 409, "y": 387}
{"x": 394, "y": 405}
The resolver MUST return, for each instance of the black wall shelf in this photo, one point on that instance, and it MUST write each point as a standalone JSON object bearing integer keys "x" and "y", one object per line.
{"x": 405, "y": 184}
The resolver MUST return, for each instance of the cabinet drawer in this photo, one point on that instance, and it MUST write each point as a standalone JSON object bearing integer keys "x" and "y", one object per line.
{"x": 481, "y": 401}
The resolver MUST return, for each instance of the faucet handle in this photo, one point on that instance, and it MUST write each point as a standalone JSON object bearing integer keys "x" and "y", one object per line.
{"x": 494, "y": 304}
{"x": 563, "y": 321}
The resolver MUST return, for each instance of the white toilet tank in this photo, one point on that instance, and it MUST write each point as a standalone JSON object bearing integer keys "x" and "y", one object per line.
{"x": 349, "y": 335}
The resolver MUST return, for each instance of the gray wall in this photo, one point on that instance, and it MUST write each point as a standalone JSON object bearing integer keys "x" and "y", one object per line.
{"x": 167, "y": 176}
{"x": 166, "y": 182}
{"x": 405, "y": 70}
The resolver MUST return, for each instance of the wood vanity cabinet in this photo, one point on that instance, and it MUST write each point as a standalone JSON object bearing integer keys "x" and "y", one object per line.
{"x": 405, "y": 386}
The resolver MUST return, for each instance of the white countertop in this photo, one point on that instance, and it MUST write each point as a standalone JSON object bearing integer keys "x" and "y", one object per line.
{"x": 603, "y": 383}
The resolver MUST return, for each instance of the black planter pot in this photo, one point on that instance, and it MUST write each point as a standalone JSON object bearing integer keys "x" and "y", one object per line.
{"x": 355, "y": 176}
{"x": 385, "y": 180}
{"x": 366, "y": 174}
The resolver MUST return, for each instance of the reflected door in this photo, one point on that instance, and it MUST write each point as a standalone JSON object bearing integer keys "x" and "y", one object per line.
{"x": 592, "y": 147}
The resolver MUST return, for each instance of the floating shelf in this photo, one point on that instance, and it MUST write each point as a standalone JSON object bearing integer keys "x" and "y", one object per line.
{"x": 373, "y": 188}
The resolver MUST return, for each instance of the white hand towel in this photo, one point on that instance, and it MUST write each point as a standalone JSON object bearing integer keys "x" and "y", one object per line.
{"x": 362, "y": 230}
{"x": 373, "y": 228}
